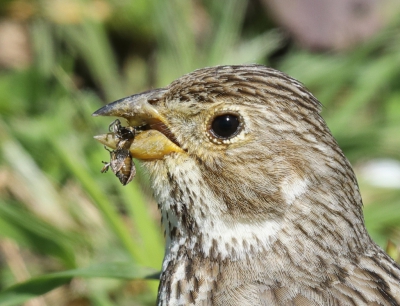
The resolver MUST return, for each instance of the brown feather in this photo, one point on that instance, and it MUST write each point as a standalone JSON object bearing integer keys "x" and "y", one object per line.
{"x": 272, "y": 216}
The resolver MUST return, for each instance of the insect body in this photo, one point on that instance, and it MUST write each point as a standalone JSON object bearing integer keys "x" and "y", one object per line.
{"x": 122, "y": 132}
{"x": 121, "y": 162}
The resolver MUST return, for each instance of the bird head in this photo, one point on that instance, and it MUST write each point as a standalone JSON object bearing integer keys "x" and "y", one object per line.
{"x": 239, "y": 154}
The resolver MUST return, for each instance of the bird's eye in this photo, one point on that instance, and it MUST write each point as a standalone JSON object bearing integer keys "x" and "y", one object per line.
{"x": 225, "y": 126}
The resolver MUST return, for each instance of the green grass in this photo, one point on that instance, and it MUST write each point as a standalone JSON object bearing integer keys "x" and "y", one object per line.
{"x": 59, "y": 213}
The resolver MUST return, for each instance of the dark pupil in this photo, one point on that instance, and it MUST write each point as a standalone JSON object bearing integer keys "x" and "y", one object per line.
{"x": 225, "y": 126}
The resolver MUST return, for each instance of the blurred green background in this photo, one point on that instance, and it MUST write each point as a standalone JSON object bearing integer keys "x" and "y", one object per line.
{"x": 62, "y": 60}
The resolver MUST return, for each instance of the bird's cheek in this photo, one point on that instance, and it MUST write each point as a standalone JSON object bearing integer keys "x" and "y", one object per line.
{"x": 147, "y": 145}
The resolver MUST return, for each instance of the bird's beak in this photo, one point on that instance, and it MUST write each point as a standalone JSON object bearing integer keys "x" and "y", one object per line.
{"x": 153, "y": 139}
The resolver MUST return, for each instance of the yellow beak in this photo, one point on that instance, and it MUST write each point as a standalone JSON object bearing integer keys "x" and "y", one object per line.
{"x": 154, "y": 139}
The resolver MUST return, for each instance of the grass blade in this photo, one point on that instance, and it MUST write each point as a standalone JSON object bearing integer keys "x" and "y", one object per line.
{"x": 20, "y": 293}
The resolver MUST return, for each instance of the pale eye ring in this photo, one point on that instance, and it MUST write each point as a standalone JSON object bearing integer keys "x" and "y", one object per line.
{"x": 225, "y": 125}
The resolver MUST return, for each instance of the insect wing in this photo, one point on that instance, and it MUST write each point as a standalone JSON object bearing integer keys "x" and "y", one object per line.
{"x": 127, "y": 171}
{"x": 118, "y": 159}
{"x": 132, "y": 174}
{"x": 125, "y": 179}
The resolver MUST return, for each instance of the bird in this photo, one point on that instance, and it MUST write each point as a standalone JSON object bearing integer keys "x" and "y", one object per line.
{"x": 258, "y": 202}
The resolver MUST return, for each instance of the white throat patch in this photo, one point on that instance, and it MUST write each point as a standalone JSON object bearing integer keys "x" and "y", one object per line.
{"x": 220, "y": 237}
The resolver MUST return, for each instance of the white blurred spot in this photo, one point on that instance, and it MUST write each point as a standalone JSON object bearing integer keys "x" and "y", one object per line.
{"x": 381, "y": 173}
